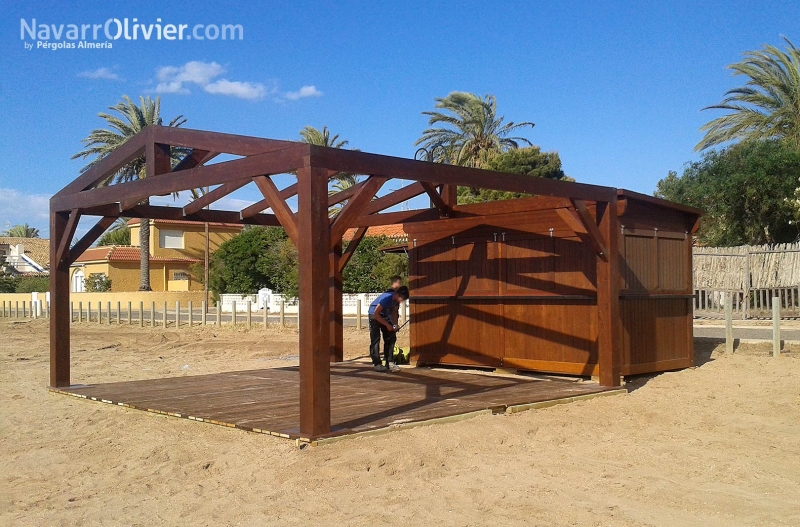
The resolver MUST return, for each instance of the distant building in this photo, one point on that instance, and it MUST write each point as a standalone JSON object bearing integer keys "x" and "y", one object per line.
{"x": 174, "y": 247}
{"x": 393, "y": 231}
{"x": 26, "y": 256}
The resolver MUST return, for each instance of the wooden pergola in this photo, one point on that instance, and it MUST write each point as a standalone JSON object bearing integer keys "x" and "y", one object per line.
{"x": 317, "y": 236}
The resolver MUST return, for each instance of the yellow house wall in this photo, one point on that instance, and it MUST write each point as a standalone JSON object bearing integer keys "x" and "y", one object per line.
{"x": 194, "y": 239}
{"x": 124, "y": 276}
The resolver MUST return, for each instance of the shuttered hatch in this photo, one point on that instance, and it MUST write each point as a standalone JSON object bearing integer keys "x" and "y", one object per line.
{"x": 502, "y": 285}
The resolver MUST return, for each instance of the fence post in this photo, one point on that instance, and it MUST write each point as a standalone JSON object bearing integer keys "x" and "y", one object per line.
{"x": 249, "y": 315}
{"x": 283, "y": 313}
{"x": 119, "y": 313}
{"x": 728, "y": 324}
{"x": 776, "y": 327}
{"x": 233, "y": 313}
{"x": 153, "y": 314}
{"x": 219, "y": 315}
{"x": 34, "y": 309}
{"x": 80, "y": 311}
{"x": 266, "y": 316}
{"x": 129, "y": 313}
{"x": 177, "y": 313}
{"x": 746, "y": 312}
{"x": 191, "y": 314}
{"x": 164, "y": 315}
{"x": 24, "y": 309}
{"x": 141, "y": 314}
{"x": 4, "y": 308}
{"x": 203, "y": 314}
{"x": 358, "y": 315}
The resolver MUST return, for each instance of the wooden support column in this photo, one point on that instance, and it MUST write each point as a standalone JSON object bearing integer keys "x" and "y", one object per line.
{"x": 314, "y": 248}
{"x": 335, "y": 294}
{"x": 59, "y": 301}
{"x": 609, "y": 319}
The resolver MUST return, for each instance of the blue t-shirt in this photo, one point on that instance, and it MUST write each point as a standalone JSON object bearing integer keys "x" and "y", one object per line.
{"x": 386, "y": 301}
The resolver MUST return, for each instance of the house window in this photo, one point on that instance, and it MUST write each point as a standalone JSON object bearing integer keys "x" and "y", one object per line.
{"x": 180, "y": 275}
{"x": 170, "y": 239}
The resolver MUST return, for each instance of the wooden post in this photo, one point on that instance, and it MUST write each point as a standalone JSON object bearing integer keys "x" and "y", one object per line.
{"x": 129, "y": 313}
{"x": 402, "y": 316}
{"x": 266, "y": 316}
{"x": 177, "y": 313}
{"x": 24, "y": 309}
{"x": 358, "y": 315}
{"x": 233, "y": 313}
{"x": 80, "y": 311}
{"x": 16, "y": 309}
{"x": 776, "y": 327}
{"x": 4, "y": 308}
{"x": 335, "y": 299}
{"x": 141, "y": 314}
{"x": 249, "y": 315}
{"x": 282, "y": 316}
{"x": 203, "y": 314}
{"x": 119, "y": 314}
{"x": 313, "y": 246}
{"x": 34, "y": 309}
{"x": 728, "y": 323}
{"x": 164, "y": 316}
{"x": 71, "y": 310}
{"x": 219, "y": 315}
{"x": 59, "y": 296}
{"x": 609, "y": 323}
{"x": 191, "y": 314}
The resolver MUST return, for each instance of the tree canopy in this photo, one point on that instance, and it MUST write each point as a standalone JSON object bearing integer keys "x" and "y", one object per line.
{"x": 747, "y": 191}
{"x": 22, "y": 231}
{"x": 767, "y": 106}
{"x": 529, "y": 161}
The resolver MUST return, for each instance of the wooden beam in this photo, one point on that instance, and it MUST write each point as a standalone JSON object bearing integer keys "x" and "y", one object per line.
{"x": 437, "y": 199}
{"x": 439, "y": 173}
{"x": 240, "y": 145}
{"x": 351, "y": 247}
{"x": 314, "y": 318}
{"x": 600, "y": 244}
{"x": 335, "y": 199}
{"x": 108, "y": 165}
{"x": 202, "y": 176}
{"x": 257, "y": 207}
{"x": 60, "y": 316}
{"x": 609, "y": 319}
{"x": 89, "y": 238}
{"x": 390, "y": 218}
{"x": 354, "y": 207}
{"x": 336, "y": 309}
{"x": 394, "y": 198}
{"x": 279, "y": 206}
{"x": 155, "y": 212}
{"x": 157, "y": 159}
{"x": 66, "y": 239}
{"x": 194, "y": 158}
{"x": 210, "y": 197}
{"x": 574, "y": 222}
{"x": 450, "y": 195}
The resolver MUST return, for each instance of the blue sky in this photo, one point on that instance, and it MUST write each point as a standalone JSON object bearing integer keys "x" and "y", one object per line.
{"x": 616, "y": 89}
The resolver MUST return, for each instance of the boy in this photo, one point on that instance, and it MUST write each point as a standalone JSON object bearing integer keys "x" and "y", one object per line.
{"x": 383, "y": 321}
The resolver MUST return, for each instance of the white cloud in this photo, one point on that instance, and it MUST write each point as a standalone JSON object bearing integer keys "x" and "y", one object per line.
{"x": 17, "y": 207}
{"x": 305, "y": 91}
{"x": 243, "y": 90}
{"x": 100, "y": 73}
{"x": 174, "y": 79}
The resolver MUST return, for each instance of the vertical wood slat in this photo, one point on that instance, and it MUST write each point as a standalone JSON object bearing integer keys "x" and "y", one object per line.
{"x": 59, "y": 296}
{"x": 609, "y": 321}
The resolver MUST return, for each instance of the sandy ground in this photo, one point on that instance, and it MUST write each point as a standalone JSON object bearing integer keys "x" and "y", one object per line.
{"x": 717, "y": 445}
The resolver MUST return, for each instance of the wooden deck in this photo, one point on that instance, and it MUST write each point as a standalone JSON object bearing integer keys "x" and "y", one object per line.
{"x": 267, "y": 400}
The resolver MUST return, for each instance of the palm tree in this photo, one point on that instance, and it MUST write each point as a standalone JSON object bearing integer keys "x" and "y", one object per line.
{"x": 767, "y": 106}
{"x": 470, "y": 132}
{"x": 22, "y": 231}
{"x": 118, "y": 234}
{"x": 340, "y": 181}
{"x": 101, "y": 142}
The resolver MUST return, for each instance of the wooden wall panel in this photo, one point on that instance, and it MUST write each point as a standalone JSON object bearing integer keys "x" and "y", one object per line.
{"x": 673, "y": 274}
{"x": 574, "y": 266}
{"x": 540, "y": 333}
{"x": 476, "y": 267}
{"x": 638, "y": 267}
{"x": 433, "y": 270}
{"x": 657, "y": 334}
{"x": 448, "y": 331}
{"x": 528, "y": 265}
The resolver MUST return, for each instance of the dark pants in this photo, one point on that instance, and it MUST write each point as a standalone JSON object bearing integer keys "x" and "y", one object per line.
{"x": 376, "y": 330}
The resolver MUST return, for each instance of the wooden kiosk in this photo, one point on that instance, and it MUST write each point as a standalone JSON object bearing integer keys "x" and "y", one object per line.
{"x": 602, "y": 293}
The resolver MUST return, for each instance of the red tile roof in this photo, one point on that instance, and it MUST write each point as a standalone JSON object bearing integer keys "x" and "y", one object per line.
{"x": 119, "y": 253}
{"x": 135, "y": 221}
{"x": 394, "y": 231}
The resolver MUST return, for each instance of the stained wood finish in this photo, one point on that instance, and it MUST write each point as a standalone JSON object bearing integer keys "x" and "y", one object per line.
{"x": 266, "y": 400}
{"x": 337, "y": 310}
{"x": 281, "y": 209}
{"x": 60, "y": 312}
{"x": 609, "y": 323}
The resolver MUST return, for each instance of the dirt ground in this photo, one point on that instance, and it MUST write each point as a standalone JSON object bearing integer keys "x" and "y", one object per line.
{"x": 716, "y": 445}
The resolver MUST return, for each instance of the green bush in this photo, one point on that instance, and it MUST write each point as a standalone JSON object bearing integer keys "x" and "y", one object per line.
{"x": 97, "y": 283}
{"x": 33, "y": 284}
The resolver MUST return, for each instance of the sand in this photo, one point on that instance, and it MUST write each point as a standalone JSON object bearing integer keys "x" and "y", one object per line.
{"x": 716, "y": 445}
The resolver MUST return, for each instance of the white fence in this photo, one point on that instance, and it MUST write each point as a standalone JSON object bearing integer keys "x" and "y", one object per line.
{"x": 290, "y": 305}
